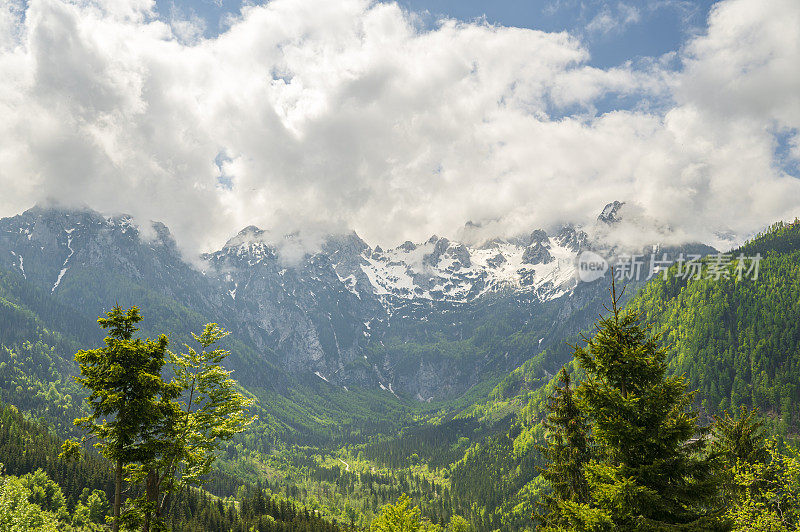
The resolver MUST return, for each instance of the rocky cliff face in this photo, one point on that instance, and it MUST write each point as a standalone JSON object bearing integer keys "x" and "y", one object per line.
{"x": 314, "y": 320}
{"x": 333, "y": 312}
{"x": 56, "y": 248}
{"x": 423, "y": 319}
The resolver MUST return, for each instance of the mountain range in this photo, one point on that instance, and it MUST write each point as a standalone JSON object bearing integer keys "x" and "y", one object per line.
{"x": 406, "y": 320}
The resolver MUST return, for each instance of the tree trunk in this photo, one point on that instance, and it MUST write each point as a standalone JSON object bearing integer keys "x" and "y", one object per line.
{"x": 117, "y": 496}
{"x": 151, "y": 491}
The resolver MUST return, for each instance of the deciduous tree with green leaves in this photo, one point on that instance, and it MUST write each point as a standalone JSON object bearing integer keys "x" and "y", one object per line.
{"x": 403, "y": 516}
{"x": 210, "y": 412}
{"x": 400, "y": 516}
{"x": 17, "y": 512}
{"x": 766, "y": 493}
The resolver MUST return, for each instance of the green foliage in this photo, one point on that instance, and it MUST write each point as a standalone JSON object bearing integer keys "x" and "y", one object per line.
{"x": 399, "y": 517}
{"x": 125, "y": 382}
{"x": 404, "y": 517}
{"x": 18, "y": 513}
{"x": 34, "y": 373}
{"x": 736, "y": 341}
{"x": 740, "y": 438}
{"x": 160, "y": 442}
{"x": 459, "y": 524}
{"x": 129, "y": 400}
{"x": 92, "y": 509}
{"x": 45, "y": 493}
{"x": 30, "y": 448}
{"x": 767, "y": 492}
{"x": 567, "y": 453}
{"x": 210, "y": 413}
{"x": 27, "y": 446}
{"x": 647, "y": 472}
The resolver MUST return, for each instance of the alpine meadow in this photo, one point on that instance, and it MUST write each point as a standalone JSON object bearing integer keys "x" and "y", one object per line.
{"x": 399, "y": 265}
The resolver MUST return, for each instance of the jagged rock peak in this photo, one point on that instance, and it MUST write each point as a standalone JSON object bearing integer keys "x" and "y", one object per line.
{"x": 345, "y": 239}
{"x": 164, "y": 236}
{"x": 496, "y": 261}
{"x": 444, "y": 247}
{"x": 59, "y": 218}
{"x": 573, "y": 239}
{"x": 537, "y": 253}
{"x": 440, "y": 246}
{"x": 539, "y": 235}
{"x": 407, "y": 246}
{"x": 611, "y": 213}
{"x": 248, "y": 235}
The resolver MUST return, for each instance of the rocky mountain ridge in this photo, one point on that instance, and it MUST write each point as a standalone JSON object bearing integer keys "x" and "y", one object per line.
{"x": 406, "y": 320}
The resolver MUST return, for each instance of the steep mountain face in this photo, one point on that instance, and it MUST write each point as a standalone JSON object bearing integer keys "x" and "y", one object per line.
{"x": 348, "y": 312}
{"x": 89, "y": 258}
{"x": 313, "y": 320}
{"x": 428, "y": 319}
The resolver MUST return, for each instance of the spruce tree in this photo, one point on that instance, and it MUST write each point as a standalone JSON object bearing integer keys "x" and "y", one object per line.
{"x": 567, "y": 452}
{"x": 740, "y": 442}
{"x": 740, "y": 437}
{"x": 650, "y": 471}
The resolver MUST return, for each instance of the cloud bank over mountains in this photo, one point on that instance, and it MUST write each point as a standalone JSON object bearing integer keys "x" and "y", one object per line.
{"x": 325, "y": 116}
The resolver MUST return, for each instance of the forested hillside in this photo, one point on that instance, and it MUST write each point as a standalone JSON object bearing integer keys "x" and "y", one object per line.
{"x": 41, "y": 491}
{"x": 737, "y": 342}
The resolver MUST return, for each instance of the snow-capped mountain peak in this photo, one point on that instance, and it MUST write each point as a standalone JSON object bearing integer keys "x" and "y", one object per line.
{"x": 443, "y": 270}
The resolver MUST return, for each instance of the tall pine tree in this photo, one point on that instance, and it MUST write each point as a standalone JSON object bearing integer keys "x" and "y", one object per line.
{"x": 567, "y": 452}
{"x": 650, "y": 471}
{"x": 740, "y": 437}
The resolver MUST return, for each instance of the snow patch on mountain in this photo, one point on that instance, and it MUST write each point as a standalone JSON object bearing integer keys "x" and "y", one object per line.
{"x": 441, "y": 270}
{"x": 64, "y": 266}
{"x": 58, "y": 280}
{"x": 21, "y": 264}
{"x": 435, "y": 270}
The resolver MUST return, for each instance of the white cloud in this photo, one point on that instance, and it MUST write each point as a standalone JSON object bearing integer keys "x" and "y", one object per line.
{"x": 613, "y": 19}
{"x": 349, "y": 115}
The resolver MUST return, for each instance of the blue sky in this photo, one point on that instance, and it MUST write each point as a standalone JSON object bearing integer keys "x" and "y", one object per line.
{"x": 614, "y": 32}
{"x": 657, "y": 27}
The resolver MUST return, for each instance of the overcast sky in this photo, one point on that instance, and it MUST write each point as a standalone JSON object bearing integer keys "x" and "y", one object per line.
{"x": 403, "y": 120}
